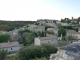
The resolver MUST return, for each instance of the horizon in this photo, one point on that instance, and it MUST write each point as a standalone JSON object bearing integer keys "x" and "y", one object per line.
{"x": 31, "y": 10}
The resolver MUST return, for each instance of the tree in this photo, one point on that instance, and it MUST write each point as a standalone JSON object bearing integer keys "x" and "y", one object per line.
{"x": 36, "y": 23}
{"x": 61, "y": 31}
{"x": 31, "y": 52}
{"x": 43, "y": 58}
{"x": 3, "y": 54}
{"x": 4, "y": 38}
{"x": 29, "y": 39}
{"x": 39, "y": 34}
{"x": 51, "y": 48}
{"x": 48, "y": 27}
{"x": 4, "y": 27}
{"x": 49, "y": 32}
{"x": 78, "y": 19}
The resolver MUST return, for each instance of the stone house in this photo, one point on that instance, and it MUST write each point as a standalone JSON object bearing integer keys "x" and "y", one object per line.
{"x": 37, "y": 28}
{"x": 73, "y": 34}
{"x": 11, "y": 47}
{"x": 46, "y": 40}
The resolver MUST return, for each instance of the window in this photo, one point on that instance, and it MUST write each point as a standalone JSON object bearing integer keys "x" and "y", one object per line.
{"x": 11, "y": 48}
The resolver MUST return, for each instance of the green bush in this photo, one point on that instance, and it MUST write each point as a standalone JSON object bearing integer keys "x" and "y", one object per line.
{"x": 3, "y": 54}
{"x": 31, "y": 52}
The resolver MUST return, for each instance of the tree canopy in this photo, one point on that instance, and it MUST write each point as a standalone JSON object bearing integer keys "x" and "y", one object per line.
{"x": 4, "y": 27}
{"x": 3, "y": 54}
{"x": 32, "y": 52}
{"x": 61, "y": 31}
{"x": 4, "y": 38}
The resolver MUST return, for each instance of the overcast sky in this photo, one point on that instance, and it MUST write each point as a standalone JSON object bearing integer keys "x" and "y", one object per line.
{"x": 38, "y": 9}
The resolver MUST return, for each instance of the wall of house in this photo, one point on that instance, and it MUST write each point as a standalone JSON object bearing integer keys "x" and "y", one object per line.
{"x": 78, "y": 36}
{"x": 36, "y": 41}
{"x": 12, "y": 49}
{"x": 52, "y": 41}
{"x": 64, "y": 24}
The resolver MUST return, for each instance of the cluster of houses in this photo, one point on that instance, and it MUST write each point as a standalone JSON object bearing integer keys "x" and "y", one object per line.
{"x": 14, "y": 44}
{"x": 63, "y": 52}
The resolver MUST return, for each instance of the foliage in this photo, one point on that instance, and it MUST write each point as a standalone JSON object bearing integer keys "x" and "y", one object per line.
{"x": 66, "y": 20}
{"x": 10, "y": 58}
{"x": 63, "y": 44}
{"x": 51, "y": 48}
{"x": 67, "y": 27}
{"x": 43, "y": 58}
{"x": 4, "y": 38}
{"x": 78, "y": 19}
{"x": 49, "y": 32}
{"x": 4, "y": 27}
{"x": 31, "y": 52}
{"x": 48, "y": 27}
{"x": 61, "y": 31}
{"x": 39, "y": 34}
{"x": 26, "y": 30}
{"x": 16, "y": 24}
{"x": 64, "y": 38}
{"x": 29, "y": 39}
{"x": 36, "y": 23}
{"x": 3, "y": 54}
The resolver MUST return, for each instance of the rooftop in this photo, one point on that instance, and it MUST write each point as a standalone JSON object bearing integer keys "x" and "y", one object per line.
{"x": 9, "y": 44}
{"x": 48, "y": 38}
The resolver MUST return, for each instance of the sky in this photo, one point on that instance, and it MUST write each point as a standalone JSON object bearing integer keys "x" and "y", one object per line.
{"x": 38, "y": 9}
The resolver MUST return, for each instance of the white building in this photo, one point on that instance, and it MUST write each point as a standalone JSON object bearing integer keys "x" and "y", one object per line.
{"x": 46, "y": 40}
{"x": 11, "y": 47}
{"x": 64, "y": 24}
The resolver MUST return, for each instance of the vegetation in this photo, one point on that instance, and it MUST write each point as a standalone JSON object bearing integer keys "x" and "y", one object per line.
{"x": 4, "y": 38}
{"x": 36, "y": 23}
{"x": 3, "y": 54}
{"x": 33, "y": 52}
{"x": 43, "y": 58}
{"x": 26, "y": 30}
{"x": 49, "y": 32}
{"x": 62, "y": 44}
{"x": 10, "y": 25}
{"x": 61, "y": 31}
{"x": 29, "y": 39}
{"x": 66, "y": 20}
{"x": 39, "y": 34}
{"x": 4, "y": 28}
{"x": 48, "y": 27}
{"x": 51, "y": 48}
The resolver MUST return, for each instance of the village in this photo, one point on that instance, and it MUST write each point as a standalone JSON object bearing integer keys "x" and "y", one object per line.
{"x": 64, "y": 35}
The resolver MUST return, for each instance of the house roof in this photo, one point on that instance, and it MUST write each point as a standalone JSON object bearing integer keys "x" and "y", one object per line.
{"x": 52, "y": 29}
{"x": 71, "y": 31}
{"x": 9, "y": 44}
{"x": 48, "y": 38}
{"x": 14, "y": 36}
